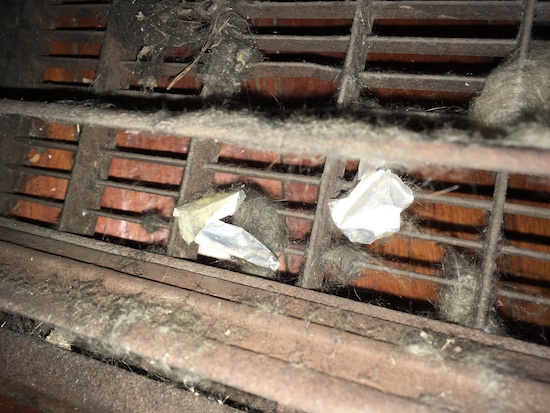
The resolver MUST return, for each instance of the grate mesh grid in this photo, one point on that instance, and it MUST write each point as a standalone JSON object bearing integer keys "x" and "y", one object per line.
{"x": 107, "y": 181}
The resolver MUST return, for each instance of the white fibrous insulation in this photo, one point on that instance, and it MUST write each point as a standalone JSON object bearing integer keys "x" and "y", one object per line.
{"x": 372, "y": 210}
{"x": 234, "y": 241}
{"x": 194, "y": 215}
{"x": 516, "y": 91}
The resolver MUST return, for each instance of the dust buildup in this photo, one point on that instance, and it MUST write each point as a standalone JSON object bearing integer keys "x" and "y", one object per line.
{"x": 458, "y": 303}
{"x": 215, "y": 29}
{"x": 153, "y": 222}
{"x": 345, "y": 262}
{"x": 518, "y": 90}
{"x": 259, "y": 215}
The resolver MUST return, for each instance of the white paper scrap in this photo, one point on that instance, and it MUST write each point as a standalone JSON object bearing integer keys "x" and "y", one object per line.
{"x": 372, "y": 209}
{"x": 234, "y": 241}
{"x": 194, "y": 215}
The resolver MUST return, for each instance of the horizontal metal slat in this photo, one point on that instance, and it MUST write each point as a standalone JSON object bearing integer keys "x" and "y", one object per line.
{"x": 357, "y": 138}
{"x": 475, "y": 245}
{"x": 388, "y": 44}
{"x": 81, "y": 89}
{"x": 65, "y": 62}
{"x": 141, "y": 157}
{"x": 169, "y": 68}
{"x": 398, "y": 10}
{"x": 258, "y": 173}
{"x": 405, "y": 81}
{"x": 409, "y": 274}
{"x": 522, "y": 252}
{"x": 524, "y": 297}
{"x": 47, "y": 143}
{"x": 442, "y": 239}
{"x": 40, "y": 171}
{"x": 296, "y": 70}
{"x": 509, "y": 208}
{"x": 455, "y": 10}
{"x": 124, "y": 217}
{"x": 258, "y": 70}
{"x": 137, "y": 188}
{"x": 302, "y": 44}
{"x": 441, "y": 46}
{"x": 75, "y": 35}
{"x": 33, "y": 199}
{"x": 300, "y": 10}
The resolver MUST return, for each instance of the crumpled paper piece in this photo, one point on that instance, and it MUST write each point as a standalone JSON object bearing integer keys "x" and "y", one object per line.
{"x": 371, "y": 210}
{"x": 236, "y": 242}
{"x": 199, "y": 222}
{"x": 194, "y": 215}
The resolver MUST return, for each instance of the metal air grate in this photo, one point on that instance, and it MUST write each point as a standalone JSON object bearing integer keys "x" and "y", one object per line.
{"x": 115, "y": 171}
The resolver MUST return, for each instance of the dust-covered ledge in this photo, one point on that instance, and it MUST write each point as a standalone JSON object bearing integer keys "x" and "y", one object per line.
{"x": 195, "y": 337}
{"x": 524, "y": 149}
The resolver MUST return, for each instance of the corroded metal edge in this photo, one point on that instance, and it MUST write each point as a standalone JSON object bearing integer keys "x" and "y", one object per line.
{"x": 261, "y": 350}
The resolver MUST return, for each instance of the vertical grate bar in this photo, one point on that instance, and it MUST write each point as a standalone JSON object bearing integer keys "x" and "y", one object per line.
{"x": 348, "y": 92}
{"x": 90, "y": 163}
{"x": 356, "y": 53}
{"x": 320, "y": 236}
{"x": 524, "y": 35}
{"x": 494, "y": 234}
{"x": 196, "y": 179}
{"x": 111, "y": 75}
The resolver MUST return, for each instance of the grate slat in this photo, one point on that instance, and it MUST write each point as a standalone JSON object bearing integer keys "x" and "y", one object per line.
{"x": 46, "y": 143}
{"x": 29, "y": 170}
{"x": 258, "y": 173}
{"x": 126, "y": 217}
{"x": 156, "y": 159}
{"x": 67, "y": 62}
{"x": 313, "y": 271}
{"x": 33, "y": 199}
{"x": 82, "y": 194}
{"x": 524, "y": 297}
{"x": 136, "y": 187}
{"x": 389, "y": 45}
{"x": 74, "y": 35}
{"x": 405, "y": 81}
{"x": 195, "y": 180}
{"x": 490, "y": 250}
{"x": 399, "y": 10}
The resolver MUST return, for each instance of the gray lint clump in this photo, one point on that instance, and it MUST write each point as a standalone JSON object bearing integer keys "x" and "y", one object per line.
{"x": 518, "y": 90}
{"x": 459, "y": 303}
{"x": 215, "y": 29}
{"x": 345, "y": 262}
{"x": 259, "y": 215}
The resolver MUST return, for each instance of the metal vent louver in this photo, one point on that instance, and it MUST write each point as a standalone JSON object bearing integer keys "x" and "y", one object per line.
{"x": 115, "y": 173}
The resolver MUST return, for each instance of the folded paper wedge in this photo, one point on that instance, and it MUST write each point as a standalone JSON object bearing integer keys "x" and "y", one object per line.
{"x": 201, "y": 222}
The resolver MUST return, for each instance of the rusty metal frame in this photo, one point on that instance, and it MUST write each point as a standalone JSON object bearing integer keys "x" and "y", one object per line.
{"x": 236, "y": 337}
